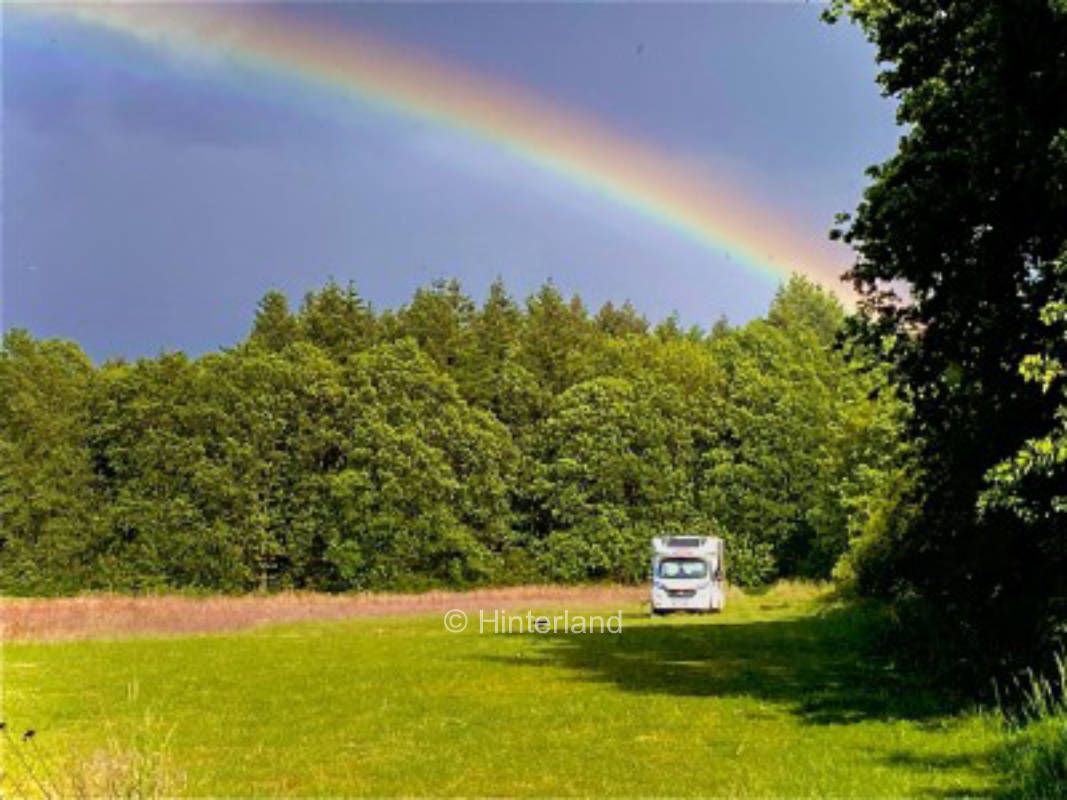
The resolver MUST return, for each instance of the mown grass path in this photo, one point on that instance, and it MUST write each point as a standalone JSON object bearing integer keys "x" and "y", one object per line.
{"x": 772, "y": 698}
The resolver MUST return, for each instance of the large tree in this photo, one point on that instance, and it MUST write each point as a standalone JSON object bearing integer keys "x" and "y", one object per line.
{"x": 956, "y": 239}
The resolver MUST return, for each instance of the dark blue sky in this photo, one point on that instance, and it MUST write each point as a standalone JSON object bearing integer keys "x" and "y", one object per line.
{"x": 150, "y": 199}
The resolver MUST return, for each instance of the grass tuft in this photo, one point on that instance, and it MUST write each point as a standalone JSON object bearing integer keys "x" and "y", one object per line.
{"x": 135, "y": 765}
{"x": 1035, "y": 756}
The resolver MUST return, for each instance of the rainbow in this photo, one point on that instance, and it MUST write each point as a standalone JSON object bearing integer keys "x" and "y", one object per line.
{"x": 412, "y": 83}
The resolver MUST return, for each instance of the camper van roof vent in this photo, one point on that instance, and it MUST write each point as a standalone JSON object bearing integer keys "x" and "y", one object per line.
{"x": 684, "y": 541}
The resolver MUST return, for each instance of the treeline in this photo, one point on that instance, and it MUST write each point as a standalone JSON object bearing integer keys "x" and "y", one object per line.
{"x": 442, "y": 443}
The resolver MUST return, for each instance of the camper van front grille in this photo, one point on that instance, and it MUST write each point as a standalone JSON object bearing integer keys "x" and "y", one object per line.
{"x": 681, "y": 592}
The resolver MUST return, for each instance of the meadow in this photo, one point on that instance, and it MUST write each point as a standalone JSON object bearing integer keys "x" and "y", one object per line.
{"x": 778, "y": 697}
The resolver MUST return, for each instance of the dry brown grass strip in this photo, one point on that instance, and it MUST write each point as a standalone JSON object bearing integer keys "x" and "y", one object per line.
{"x": 106, "y": 616}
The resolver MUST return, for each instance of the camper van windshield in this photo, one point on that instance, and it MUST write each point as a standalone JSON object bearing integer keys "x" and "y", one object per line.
{"x": 683, "y": 568}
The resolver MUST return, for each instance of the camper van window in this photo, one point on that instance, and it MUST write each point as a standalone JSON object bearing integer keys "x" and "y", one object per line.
{"x": 683, "y": 568}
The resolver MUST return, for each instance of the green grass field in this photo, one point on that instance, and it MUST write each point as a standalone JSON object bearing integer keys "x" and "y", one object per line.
{"x": 771, "y": 698}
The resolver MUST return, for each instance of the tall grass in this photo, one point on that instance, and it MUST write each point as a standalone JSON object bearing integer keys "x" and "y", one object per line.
{"x": 107, "y": 615}
{"x": 134, "y": 766}
{"x": 1035, "y": 758}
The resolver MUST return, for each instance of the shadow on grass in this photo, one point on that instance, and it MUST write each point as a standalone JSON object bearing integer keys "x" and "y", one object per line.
{"x": 826, "y": 669}
{"x": 976, "y": 762}
{"x": 821, "y": 667}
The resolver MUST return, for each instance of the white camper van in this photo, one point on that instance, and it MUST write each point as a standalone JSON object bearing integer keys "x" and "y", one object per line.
{"x": 688, "y": 574}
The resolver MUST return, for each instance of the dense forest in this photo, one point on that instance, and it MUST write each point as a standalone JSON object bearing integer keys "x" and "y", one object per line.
{"x": 443, "y": 443}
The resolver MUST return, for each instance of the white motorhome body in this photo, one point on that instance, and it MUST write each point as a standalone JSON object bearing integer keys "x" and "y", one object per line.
{"x": 688, "y": 574}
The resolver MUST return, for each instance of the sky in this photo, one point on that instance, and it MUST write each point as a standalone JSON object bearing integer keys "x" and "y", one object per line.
{"x": 152, "y": 193}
